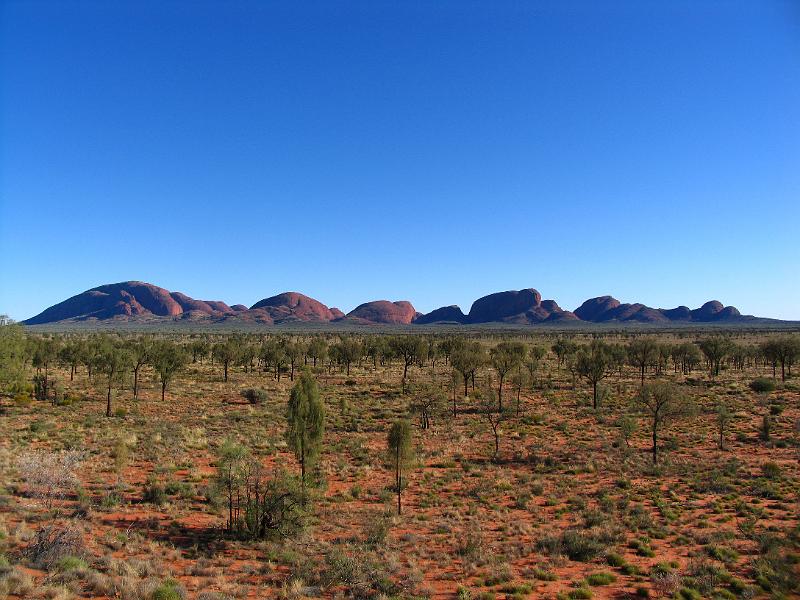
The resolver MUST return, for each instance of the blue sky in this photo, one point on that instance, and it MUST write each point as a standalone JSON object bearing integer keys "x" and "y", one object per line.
{"x": 430, "y": 151}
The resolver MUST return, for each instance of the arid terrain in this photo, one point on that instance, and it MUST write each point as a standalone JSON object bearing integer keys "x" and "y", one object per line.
{"x": 550, "y": 491}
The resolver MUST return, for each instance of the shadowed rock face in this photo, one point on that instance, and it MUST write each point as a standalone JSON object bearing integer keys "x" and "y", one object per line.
{"x": 446, "y": 314}
{"x": 293, "y": 306}
{"x": 383, "y": 311}
{"x": 125, "y": 300}
{"x": 516, "y": 306}
{"x": 594, "y": 307}
{"x": 605, "y": 308}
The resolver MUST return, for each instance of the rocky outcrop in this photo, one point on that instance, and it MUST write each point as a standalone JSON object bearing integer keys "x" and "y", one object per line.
{"x": 125, "y": 300}
{"x": 445, "y": 314}
{"x": 516, "y": 306}
{"x": 293, "y": 306}
{"x": 605, "y": 308}
{"x": 383, "y": 311}
{"x": 136, "y": 300}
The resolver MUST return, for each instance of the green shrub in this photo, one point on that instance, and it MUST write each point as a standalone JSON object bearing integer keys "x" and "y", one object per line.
{"x": 543, "y": 575}
{"x": 578, "y": 545}
{"x": 615, "y": 560}
{"x": 771, "y": 470}
{"x": 72, "y": 563}
{"x": 254, "y": 395}
{"x": 168, "y": 590}
{"x": 687, "y": 593}
{"x": 579, "y": 593}
{"x": 762, "y": 384}
{"x": 601, "y": 578}
{"x": 154, "y": 492}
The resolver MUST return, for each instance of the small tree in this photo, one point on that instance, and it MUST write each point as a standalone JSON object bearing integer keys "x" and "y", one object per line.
{"x": 563, "y": 348}
{"x": 518, "y": 381}
{"x": 534, "y": 361}
{"x": 113, "y": 361}
{"x": 273, "y": 354}
{"x": 642, "y": 353}
{"x": 661, "y": 403}
{"x": 400, "y": 453}
{"x": 724, "y": 417}
{"x": 317, "y": 349}
{"x": 505, "y": 357}
{"x": 594, "y": 363}
{"x": 494, "y": 415}
{"x": 199, "y": 349}
{"x": 305, "y": 417}
{"x": 13, "y": 352}
{"x": 231, "y": 461}
{"x": 409, "y": 348}
{"x": 715, "y": 349}
{"x": 467, "y": 359}
{"x": 428, "y": 400}
{"x": 294, "y": 352}
{"x": 168, "y": 360}
{"x": 45, "y": 354}
{"x": 139, "y": 351}
{"x": 226, "y": 353}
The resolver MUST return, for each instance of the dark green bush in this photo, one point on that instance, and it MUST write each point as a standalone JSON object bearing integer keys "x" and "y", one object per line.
{"x": 762, "y": 384}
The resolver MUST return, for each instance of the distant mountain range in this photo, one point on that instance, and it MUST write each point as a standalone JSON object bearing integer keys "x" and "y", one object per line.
{"x": 138, "y": 301}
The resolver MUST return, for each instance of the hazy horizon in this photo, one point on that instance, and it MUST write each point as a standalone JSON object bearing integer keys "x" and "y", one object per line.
{"x": 426, "y": 152}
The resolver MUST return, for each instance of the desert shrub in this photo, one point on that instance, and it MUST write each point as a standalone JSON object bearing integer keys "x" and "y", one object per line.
{"x": 771, "y": 470}
{"x": 543, "y": 575}
{"x": 16, "y": 581}
{"x": 722, "y": 554}
{"x": 579, "y": 593}
{"x": 578, "y": 545}
{"x": 153, "y": 492}
{"x": 72, "y": 563}
{"x": 54, "y": 543}
{"x": 267, "y": 506}
{"x": 254, "y": 395}
{"x": 762, "y": 384}
{"x": 22, "y": 399}
{"x": 50, "y": 475}
{"x": 642, "y": 548}
{"x": 377, "y": 531}
{"x": 168, "y": 590}
{"x": 601, "y": 578}
{"x": 615, "y": 560}
{"x": 765, "y": 430}
{"x": 120, "y": 453}
{"x": 775, "y": 570}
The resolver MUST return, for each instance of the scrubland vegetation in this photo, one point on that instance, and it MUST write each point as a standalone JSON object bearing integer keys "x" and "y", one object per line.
{"x": 474, "y": 466}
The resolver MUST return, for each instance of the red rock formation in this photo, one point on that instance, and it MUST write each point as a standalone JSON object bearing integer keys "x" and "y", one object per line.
{"x": 383, "y": 311}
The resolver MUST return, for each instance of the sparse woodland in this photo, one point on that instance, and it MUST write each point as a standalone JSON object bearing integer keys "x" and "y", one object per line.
{"x": 533, "y": 463}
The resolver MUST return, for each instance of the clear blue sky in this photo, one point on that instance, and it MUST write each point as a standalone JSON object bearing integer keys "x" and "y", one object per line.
{"x": 430, "y": 151}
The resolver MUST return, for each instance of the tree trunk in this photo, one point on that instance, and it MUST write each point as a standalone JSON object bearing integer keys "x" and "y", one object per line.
{"x": 398, "y": 480}
{"x": 163, "y": 390}
{"x": 108, "y": 399}
{"x": 500, "y": 395}
{"x": 655, "y": 446}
